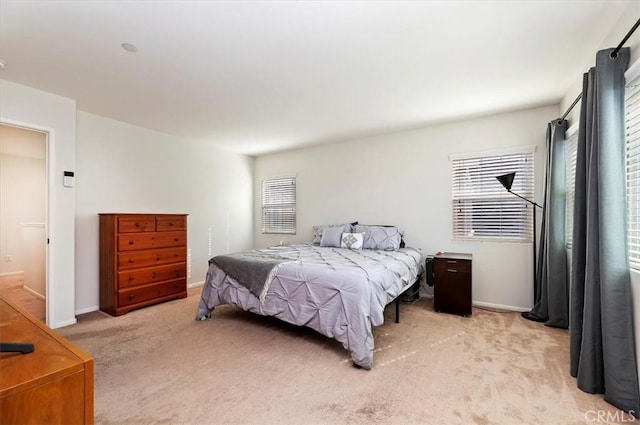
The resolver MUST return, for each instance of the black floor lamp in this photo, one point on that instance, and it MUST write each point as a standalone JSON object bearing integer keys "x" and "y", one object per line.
{"x": 507, "y": 180}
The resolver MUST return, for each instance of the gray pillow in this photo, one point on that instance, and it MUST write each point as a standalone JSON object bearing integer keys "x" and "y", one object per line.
{"x": 385, "y": 238}
{"x": 331, "y": 236}
{"x": 318, "y": 230}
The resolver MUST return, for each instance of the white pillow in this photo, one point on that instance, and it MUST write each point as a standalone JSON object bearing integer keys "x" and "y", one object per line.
{"x": 352, "y": 240}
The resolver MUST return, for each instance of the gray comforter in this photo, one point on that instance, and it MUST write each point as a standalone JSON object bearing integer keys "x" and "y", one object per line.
{"x": 338, "y": 292}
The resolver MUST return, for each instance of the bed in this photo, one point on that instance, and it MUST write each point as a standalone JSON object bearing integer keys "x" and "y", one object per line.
{"x": 339, "y": 292}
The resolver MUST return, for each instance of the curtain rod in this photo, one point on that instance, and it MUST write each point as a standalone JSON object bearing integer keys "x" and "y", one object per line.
{"x": 575, "y": 102}
{"x": 614, "y": 54}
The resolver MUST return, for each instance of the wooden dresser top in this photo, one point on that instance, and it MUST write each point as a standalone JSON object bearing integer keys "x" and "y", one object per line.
{"x": 53, "y": 355}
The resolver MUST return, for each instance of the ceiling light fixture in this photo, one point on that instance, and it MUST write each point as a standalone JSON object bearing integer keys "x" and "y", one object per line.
{"x": 3, "y": 64}
{"x": 129, "y": 47}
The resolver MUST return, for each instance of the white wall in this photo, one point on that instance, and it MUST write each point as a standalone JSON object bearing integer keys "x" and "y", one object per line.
{"x": 404, "y": 179}
{"x": 124, "y": 168}
{"x": 34, "y": 239}
{"x": 57, "y": 115}
{"x": 22, "y": 191}
{"x": 23, "y": 214}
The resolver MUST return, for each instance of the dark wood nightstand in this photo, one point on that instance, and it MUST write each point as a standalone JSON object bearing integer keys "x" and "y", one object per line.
{"x": 452, "y": 283}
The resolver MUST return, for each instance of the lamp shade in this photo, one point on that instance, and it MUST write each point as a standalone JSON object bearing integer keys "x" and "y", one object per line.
{"x": 506, "y": 180}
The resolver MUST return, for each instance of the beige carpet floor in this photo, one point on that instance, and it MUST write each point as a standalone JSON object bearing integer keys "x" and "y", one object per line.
{"x": 159, "y": 366}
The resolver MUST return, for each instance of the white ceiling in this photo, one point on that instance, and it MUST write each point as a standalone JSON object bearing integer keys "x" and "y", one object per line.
{"x": 257, "y": 77}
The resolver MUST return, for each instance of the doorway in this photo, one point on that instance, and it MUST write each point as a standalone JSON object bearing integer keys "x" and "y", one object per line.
{"x": 23, "y": 218}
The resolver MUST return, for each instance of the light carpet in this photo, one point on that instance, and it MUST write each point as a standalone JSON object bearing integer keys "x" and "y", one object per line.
{"x": 158, "y": 365}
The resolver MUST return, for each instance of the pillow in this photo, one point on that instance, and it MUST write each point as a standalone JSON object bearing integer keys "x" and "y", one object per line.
{"x": 387, "y": 238}
{"x": 352, "y": 240}
{"x": 331, "y": 237}
{"x": 318, "y": 230}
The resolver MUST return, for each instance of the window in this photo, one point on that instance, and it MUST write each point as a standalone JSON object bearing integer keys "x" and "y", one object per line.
{"x": 632, "y": 132}
{"x": 279, "y": 205}
{"x": 482, "y": 208}
{"x": 571, "y": 153}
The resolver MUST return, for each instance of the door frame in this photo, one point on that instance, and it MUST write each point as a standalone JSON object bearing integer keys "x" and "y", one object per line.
{"x": 49, "y": 200}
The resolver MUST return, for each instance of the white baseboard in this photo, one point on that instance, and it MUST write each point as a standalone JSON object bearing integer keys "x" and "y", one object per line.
{"x": 486, "y": 305}
{"x": 63, "y": 324}
{"x": 499, "y": 306}
{"x": 10, "y": 274}
{"x": 87, "y": 310}
{"x": 195, "y": 284}
{"x": 37, "y": 294}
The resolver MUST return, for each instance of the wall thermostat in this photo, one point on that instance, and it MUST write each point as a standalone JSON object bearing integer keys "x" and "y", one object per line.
{"x": 68, "y": 179}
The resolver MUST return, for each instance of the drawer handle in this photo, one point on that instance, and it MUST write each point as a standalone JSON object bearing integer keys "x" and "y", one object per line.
{"x": 452, "y": 271}
{"x": 137, "y": 224}
{"x": 171, "y": 223}
{"x": 452, "y": 261}
{"x": 158, "y": 258}
{"x": 131, "y": 296}
{"x": 176, "y": 254}
{"x": 131, "y": 278}
{"x": 131, "y": 260}
{"x": 153, "y": 276}
{"x": 176, "y": 239}
{"x": 130, "y": 242}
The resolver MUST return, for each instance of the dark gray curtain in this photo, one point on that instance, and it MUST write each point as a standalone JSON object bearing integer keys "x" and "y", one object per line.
{"x": 602, "y": 337}
{"x": 552, "y": 281}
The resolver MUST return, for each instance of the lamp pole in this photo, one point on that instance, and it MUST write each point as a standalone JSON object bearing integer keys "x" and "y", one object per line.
{"x": 535, "y": 279}
{"x": 507, "y": 180}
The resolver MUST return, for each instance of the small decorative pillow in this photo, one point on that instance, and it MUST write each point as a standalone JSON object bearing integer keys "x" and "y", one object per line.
{"x": 331, "y": 237}
{"x": 387, "y": 238}
{"x": 352, "y": 240}
{"x": 318, "y": 230}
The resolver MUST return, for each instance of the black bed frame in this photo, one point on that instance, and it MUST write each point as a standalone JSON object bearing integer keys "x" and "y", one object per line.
{"x": 397, "y": 300}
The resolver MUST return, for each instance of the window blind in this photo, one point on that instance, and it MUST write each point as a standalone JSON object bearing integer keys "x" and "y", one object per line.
{"x": 482, "y": 208}
{"x": 632, "y": 133}
{"x": 571, "y": 149}
{"x": 279, "y": 205}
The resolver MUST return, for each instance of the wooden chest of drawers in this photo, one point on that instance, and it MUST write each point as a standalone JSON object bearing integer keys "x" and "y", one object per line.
{"x": 452, "y": 283}
{"x": 143, "y": 260}
{"x": 51, "y": 385}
